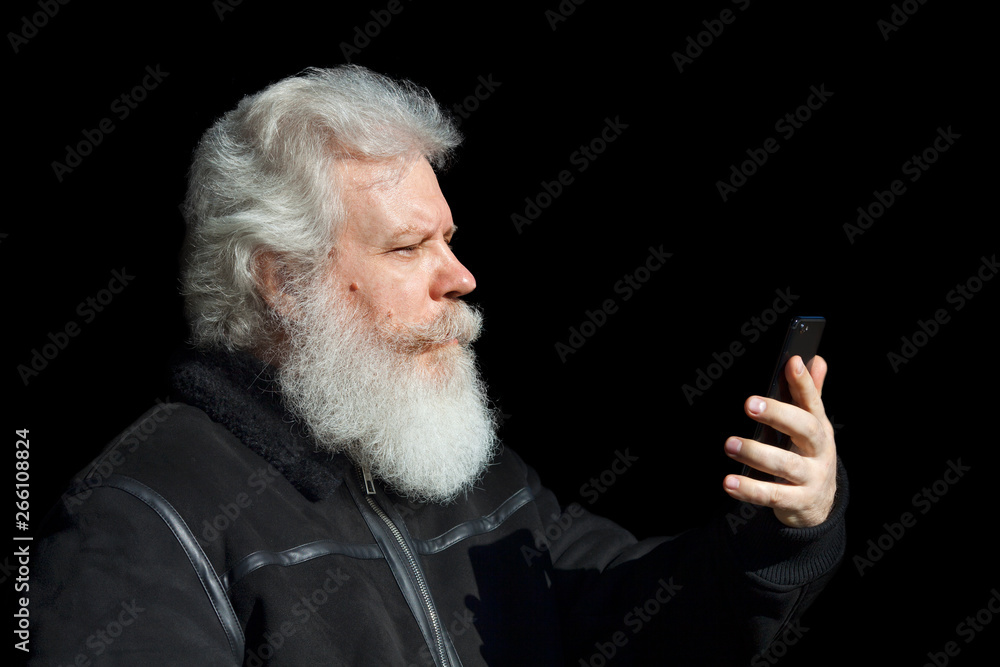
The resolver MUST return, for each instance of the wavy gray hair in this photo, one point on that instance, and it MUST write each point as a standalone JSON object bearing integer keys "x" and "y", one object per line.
{"x": 264, "y": 178}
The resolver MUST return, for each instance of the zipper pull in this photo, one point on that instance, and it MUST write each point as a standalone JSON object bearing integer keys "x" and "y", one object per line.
{"x": 369, "y": 482}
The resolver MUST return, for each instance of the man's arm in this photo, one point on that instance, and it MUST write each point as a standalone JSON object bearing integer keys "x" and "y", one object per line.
{"x": 723, "y": 593}
{"x": 115, "y": 587}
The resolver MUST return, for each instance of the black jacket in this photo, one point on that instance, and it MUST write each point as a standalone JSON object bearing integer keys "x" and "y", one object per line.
{"x": 212, "y": 533}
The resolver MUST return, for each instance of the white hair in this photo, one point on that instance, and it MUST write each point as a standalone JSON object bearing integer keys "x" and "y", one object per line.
{"x": 264, "y": 178}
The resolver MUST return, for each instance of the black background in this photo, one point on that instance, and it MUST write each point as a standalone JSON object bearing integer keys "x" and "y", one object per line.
{"x": 655, "y": 185}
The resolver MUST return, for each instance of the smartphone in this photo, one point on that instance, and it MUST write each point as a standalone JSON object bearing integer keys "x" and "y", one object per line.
{"x": 801, "y": 338}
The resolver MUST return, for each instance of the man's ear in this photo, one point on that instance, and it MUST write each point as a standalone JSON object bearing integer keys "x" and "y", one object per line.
{"x": 274, "y": 283}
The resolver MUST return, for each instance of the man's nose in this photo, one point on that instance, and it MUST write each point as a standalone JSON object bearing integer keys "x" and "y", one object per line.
{"x": 453, "y": 279}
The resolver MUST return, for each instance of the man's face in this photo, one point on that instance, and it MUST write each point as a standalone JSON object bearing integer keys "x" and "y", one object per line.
{"x": 394, "y": 259}
{"x": 379, "y": 362}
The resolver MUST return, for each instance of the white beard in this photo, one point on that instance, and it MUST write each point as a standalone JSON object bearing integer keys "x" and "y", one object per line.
{"x": 423, "y": 426}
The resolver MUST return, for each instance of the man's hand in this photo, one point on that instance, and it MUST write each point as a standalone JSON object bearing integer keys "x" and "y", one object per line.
{"x": 809, "y": 467}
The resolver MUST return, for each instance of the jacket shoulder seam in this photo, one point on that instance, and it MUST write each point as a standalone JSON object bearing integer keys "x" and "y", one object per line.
{"x": 200, "y": 563}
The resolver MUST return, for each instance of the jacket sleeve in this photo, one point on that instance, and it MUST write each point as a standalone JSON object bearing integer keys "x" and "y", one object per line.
{"x": 116, "y": 584}
{"x": 721, "y": 594}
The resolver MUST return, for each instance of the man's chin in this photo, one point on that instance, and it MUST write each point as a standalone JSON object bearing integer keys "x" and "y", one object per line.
{"x": 443, "y": 346}
{"x": 439, "y": 358}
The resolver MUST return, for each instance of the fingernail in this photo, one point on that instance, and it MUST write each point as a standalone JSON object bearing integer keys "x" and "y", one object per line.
{"x": 732, "y": 482}
{"x": 757, "y": 406}
{"x": 799, "y": 366}
{"x": 733, "y": 446}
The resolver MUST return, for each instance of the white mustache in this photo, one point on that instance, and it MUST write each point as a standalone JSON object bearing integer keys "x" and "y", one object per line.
{"x": 459, "y": 321}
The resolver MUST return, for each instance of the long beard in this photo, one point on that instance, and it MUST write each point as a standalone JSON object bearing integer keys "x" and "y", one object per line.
{"x": 400, "y": 400}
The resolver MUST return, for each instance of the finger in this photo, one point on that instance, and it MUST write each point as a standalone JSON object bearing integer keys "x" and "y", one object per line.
{"x": 768, "y": 459}
{"x": 757, "y": 492}
{"x": 818, "y": 369}
{"x": 803, "y": 387}
{"x": 790, "y": 503}
{"x": 807, "y": 431}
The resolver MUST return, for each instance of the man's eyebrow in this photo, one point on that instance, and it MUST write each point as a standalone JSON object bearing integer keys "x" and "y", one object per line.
{"x": 417, "y": 230}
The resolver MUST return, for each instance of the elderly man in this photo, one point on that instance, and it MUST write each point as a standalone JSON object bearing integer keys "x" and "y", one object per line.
{"x": 330, "y": 489}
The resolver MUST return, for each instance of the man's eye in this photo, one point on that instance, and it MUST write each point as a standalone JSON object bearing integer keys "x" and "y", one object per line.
{"x": 406, "y": 249}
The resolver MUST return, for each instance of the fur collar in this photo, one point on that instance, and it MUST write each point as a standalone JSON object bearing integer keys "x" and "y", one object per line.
{"x": 239, "y": 391}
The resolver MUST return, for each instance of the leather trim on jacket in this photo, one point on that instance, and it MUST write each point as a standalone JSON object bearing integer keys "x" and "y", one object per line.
{"x": 214, "y": 588}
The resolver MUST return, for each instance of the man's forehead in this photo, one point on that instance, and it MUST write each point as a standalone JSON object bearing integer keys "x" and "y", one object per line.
{"x": 363, "y": 176}
{"x": 394, "y": 199}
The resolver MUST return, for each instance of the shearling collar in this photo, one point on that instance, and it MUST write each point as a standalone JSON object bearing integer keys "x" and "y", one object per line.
{"x": 239, "y": 391}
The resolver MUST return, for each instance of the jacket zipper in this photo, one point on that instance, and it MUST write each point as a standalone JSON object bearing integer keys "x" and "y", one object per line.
{"x": 369, "y": 486}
